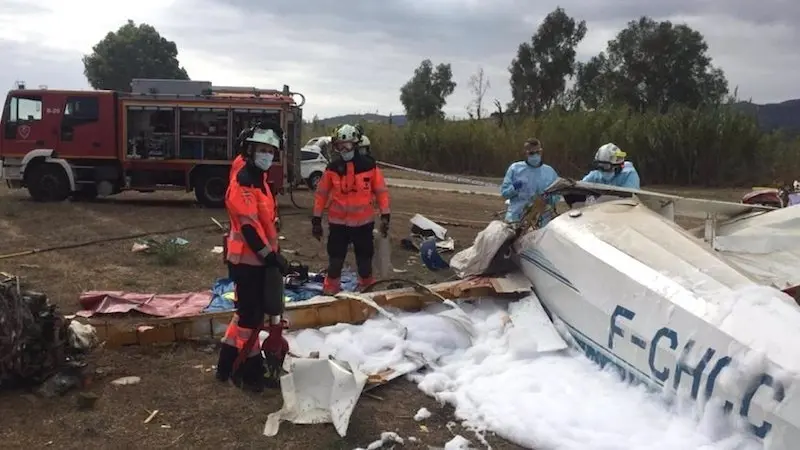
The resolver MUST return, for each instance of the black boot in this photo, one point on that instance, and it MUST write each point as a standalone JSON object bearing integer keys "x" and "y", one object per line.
{"x": 250, "y": 376}
{"x": 227, "y": 355}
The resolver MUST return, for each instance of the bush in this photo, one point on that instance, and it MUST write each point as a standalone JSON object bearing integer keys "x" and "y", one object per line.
{"x": 711, "y": 147}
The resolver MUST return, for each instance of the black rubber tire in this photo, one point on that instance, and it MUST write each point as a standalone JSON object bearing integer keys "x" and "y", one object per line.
{"x": 47, "y": 182}
{"x": 85, "y": 194}
{"x": 210, "y": 189}
{"x": 313, "y": 180}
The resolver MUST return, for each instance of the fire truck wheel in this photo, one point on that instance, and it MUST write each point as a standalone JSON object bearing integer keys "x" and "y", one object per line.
{"x": 210, "y": 189}
{"x": 313, "y": 180}
{"x": 47, "y": 183}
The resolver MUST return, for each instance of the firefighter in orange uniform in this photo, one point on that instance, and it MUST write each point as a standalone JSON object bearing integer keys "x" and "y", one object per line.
{"x": 349, "y": 183}
{"x": 256, "y": 267}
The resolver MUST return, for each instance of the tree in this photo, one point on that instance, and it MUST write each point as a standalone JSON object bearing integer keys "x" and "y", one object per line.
{"x": 425, "y": 94}
{"x": 132, "y": 52}
{"x": 478, "y": 85}
{"x": 541, "y": 67}
{"x": 652, "y": 65}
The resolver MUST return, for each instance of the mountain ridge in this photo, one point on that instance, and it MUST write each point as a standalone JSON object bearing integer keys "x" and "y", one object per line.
{"x": 771, "y": 116}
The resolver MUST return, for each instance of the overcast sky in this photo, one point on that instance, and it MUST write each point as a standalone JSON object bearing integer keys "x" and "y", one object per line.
{"x": 352, "y": 56}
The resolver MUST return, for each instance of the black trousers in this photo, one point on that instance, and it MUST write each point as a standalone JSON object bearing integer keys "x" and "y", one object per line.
{"x": 340, "y": 237}
{"x": 259, "y": 292}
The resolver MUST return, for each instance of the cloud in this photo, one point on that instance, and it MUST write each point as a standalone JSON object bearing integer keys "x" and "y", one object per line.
{"x": 353, "y": 55}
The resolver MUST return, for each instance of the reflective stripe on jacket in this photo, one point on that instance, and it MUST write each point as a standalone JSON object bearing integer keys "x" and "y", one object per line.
{"x": 348, "y": 189}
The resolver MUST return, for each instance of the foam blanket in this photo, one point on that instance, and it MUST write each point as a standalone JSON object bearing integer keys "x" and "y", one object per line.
{"x": 219, "y": 298}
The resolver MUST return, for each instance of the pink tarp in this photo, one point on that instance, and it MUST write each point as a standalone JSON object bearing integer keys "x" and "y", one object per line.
{"x": 159, "y": 305}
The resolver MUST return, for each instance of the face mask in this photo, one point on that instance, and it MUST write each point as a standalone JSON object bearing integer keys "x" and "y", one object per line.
{"x": 348, "y": 155}
{"x": 607, "y": 176}
{"x": 535, "y": 160}
{"x": 263, "y": 160}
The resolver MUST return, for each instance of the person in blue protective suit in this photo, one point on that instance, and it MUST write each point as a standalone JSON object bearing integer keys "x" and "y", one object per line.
{"x": 611, "y": 168}
{"x": 525, "y": 180}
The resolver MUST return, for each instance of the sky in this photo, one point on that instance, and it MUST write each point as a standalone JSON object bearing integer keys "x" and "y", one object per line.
{"x": 352, "y": 56}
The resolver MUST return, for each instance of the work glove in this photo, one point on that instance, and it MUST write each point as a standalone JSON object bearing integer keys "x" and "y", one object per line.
{"x": 517, "y": 185}
{"x": 316, "y": 228}
{"x": 275, "y": 259}
{"x": 384, "y": 229}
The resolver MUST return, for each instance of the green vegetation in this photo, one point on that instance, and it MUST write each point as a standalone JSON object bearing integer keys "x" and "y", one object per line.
{"x": 716, "y": 146}
{"x": 132, "y": 52}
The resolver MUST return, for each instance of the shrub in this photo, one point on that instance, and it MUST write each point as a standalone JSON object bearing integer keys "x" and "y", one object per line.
{"x": 710, "y": 147}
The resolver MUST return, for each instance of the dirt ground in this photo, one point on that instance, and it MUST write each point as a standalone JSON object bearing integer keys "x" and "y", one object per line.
{"x": 194, "y": 410}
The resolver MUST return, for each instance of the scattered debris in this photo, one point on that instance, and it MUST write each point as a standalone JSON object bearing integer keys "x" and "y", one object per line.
{"x": 86, "y": 400}
{"x": 423, "y": 228}
{"x": 34, "y": 340}
{"x": 424, "y": 428}
{"x": 458, "y": 443}
{"x": 126, "y": 381}
{"x": 146, "y": 245}
{"x": 304, "y": 402}
{"x": 422, "y": 414}
{"x": 82, "y": 336}
{"x": 217, "y": 250}
{"x": 151, "y": 416}
{"x": 387, "y": 437}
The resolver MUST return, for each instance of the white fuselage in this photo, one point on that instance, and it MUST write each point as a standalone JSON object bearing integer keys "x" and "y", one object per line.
{"x": 640, "y": 294}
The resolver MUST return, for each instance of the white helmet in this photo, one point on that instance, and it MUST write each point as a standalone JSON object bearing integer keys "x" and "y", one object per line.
{"x": 347, "y": 133}
{"x": 364, "y": 142}
{"x": 609, "y": 156}
{"x": 265, "y": 136}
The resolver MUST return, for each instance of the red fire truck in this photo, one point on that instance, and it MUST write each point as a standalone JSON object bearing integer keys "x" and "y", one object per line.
{"x": 163, "y": 135}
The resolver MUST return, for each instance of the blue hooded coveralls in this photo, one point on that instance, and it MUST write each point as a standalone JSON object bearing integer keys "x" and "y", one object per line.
{"x": 531, "y": 181}
{"x": 628, "y": 177}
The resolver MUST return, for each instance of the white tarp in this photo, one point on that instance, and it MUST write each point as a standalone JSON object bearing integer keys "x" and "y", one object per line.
{"x": 475, "y": 260}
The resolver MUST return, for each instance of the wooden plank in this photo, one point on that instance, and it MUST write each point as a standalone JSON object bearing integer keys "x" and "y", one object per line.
{"x": 314, "y": 313}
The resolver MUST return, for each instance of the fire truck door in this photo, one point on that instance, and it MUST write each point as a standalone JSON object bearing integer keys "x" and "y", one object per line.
{"x": 26, "y": 125}
{"x": 81, "y": 132}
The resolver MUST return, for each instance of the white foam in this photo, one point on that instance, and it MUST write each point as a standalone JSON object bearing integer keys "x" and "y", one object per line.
{"x": 538, "y": 401}
{"x": 422, "y": 414}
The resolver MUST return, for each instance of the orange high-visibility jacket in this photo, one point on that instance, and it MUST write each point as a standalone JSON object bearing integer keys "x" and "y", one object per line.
{"x": 350, "y": 188}
{"x": 249, "y": 203}
{"x": 236, "y": 165}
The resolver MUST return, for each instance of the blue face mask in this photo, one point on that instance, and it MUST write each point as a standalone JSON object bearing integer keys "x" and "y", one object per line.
{"x": 263, "y": 160}
{"x": 607, "y": 176}
{"x": 348, "y": 155}
{"x": 534, "y": 160}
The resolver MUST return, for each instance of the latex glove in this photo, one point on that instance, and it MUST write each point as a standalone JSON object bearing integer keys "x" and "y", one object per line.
{"x": 316, "y": 228}
{"x": 517, "y": 185}
{"x": 384, "y": 229}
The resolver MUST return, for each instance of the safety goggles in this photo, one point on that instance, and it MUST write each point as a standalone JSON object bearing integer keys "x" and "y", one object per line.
{"x": 344, "y": 146}
{"x": 606, "y": 166}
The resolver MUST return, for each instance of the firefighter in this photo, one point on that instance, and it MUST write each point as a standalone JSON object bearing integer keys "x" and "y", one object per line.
{"x": 349, "y": 183}
{"x": 257, "y": 268}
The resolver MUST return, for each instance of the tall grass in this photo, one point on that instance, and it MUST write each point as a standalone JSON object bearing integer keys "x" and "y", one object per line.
{"x": 711, "y": 147}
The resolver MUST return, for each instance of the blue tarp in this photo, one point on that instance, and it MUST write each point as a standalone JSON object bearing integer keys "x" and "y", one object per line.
{"x": 222, "y": 291}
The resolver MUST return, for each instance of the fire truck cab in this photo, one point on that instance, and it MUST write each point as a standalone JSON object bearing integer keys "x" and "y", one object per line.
{"x": 163, "y": 135}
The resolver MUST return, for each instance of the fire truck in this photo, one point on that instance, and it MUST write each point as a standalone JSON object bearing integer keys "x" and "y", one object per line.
{"x": 163, "y": 135}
